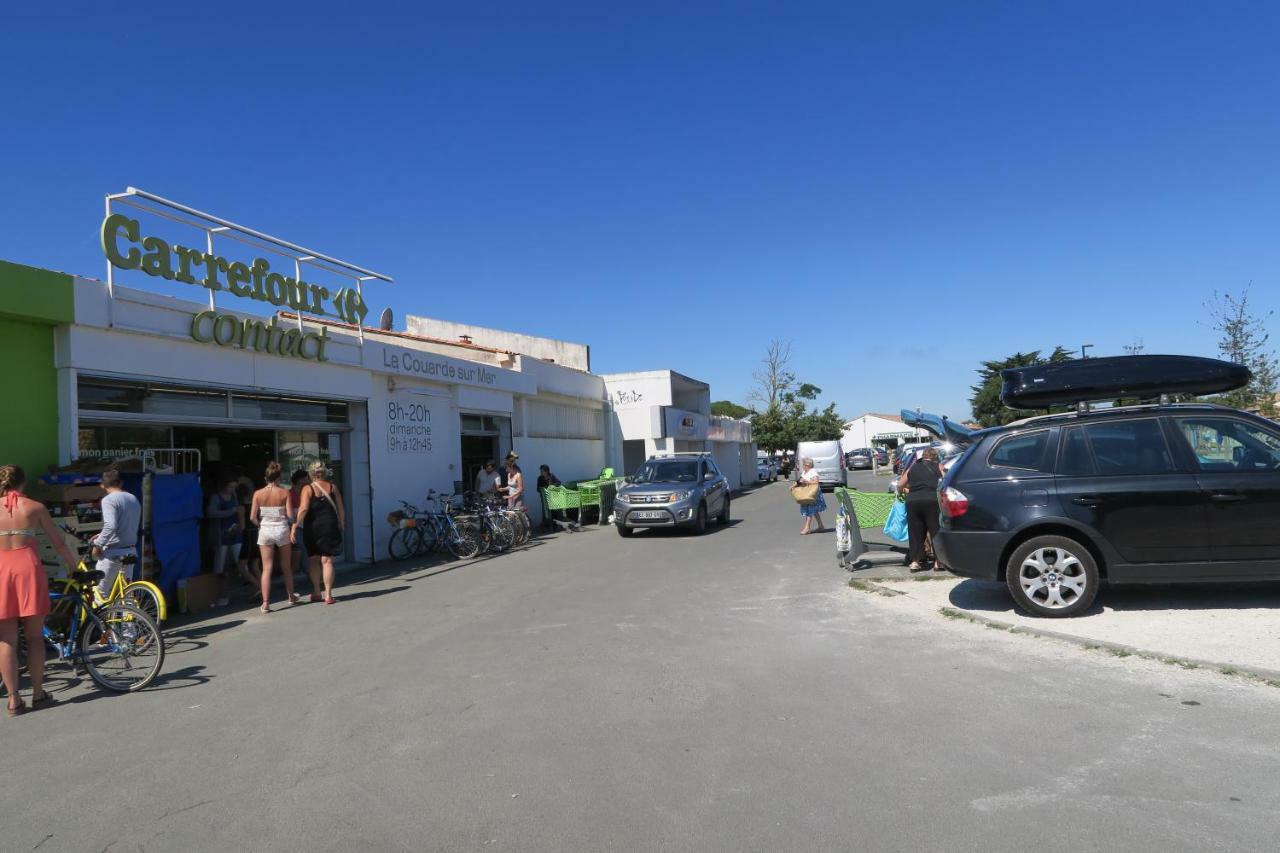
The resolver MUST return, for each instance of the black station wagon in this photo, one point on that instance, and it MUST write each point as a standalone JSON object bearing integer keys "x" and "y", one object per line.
{"x": 1147, "y": 494}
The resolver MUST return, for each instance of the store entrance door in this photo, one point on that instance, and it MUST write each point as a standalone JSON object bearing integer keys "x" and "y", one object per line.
{"x": 484, "y": 438}
{"x": 224, "y": 450}
{"x": 477, "y": 450}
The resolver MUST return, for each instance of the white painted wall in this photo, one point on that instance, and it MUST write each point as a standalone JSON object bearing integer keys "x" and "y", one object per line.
{"x": 645, "y": 389}
{"x": 563, "y": 352}
{"x": 570, "y": 460}
{"x": 725, "y": 455}
{"x": 414, "y": 445}
{"x": 747, "y": 463}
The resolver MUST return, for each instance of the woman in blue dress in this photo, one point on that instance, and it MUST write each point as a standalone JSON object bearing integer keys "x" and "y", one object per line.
{"x": 811, "y": 512}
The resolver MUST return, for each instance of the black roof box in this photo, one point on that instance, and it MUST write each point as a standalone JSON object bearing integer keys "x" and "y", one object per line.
{"x": 1066, "y": 383}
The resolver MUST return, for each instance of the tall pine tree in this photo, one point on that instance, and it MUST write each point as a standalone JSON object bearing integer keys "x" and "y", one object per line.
{"x": 985, "y": 400}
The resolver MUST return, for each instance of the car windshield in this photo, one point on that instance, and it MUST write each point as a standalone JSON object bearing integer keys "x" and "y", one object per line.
{"x": 667, "y": 471}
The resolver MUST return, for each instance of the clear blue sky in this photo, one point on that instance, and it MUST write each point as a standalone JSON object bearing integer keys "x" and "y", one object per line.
{"x": 903, "y": 189}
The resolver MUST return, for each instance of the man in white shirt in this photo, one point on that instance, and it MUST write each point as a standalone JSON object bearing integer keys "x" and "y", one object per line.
{"x": 488, "y": 480}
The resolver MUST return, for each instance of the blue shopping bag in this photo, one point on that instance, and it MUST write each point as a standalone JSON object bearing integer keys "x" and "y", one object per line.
{"x": 896, "y": 525}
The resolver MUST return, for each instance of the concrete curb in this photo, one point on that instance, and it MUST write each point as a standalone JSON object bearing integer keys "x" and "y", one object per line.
{"x": 1269, "y": 676}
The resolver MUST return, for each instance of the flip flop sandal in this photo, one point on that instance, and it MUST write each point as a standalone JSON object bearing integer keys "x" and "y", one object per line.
{"x": 18, "y": 710}
{"x": 44, "y": 701}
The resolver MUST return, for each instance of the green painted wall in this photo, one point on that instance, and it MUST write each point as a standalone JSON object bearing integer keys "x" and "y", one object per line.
{"x": 29, "y": 413}
{"x": 41, "y": 296}
{"x": 32, "y": 302}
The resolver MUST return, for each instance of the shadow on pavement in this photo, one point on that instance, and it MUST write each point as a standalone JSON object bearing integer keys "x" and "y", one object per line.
{"x": 196, "y": 632}
{"x": 342, "y": 596}
{"x": 189, "y": 676}
{"x": 182, "y": 645}
{"x": 993, "y": 597}
{"x": 712, "y": 530}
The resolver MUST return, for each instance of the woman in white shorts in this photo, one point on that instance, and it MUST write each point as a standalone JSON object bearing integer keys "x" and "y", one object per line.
{"x": 271, "y": 513}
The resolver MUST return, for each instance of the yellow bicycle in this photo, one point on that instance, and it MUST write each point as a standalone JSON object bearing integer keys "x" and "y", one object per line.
{"x": 143, "y": 595}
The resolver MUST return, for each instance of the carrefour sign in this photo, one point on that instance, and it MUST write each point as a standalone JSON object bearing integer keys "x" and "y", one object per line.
{"x": 127, "y": 249}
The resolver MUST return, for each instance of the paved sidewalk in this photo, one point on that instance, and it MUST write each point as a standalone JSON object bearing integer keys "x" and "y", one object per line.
{"x": 1235, "y": 627}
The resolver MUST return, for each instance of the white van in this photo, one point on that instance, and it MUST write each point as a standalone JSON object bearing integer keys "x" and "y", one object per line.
{"x": 828, "y": 461}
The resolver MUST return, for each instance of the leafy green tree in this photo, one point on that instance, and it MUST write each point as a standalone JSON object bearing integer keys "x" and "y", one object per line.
{"x": 728, "y": 409}
{"x": 790, "y": 420}
{"x": 769, "y": 428}
{"x": 988, "y": 410}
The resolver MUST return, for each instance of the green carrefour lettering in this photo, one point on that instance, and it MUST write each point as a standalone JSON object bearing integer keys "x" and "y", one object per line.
{"x": 228, "y": 330}
{"x": 187, "y": 257}
{"x": 198, "y": 335}
{"x": 237, "y": 275}
{"x": 156, "y": 260}
{"x": 111, "y": 227}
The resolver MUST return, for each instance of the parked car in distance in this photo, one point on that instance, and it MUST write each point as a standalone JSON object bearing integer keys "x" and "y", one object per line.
{"x": 1056, "y": 504}
{"x": 679, "y": 490}
{"x": 828, "y": 461}
{"x": 860, "y": 460}
{"x": 905, "y": 452}
{"x": 766, "y": 469}
{"x": 882, "y": 456}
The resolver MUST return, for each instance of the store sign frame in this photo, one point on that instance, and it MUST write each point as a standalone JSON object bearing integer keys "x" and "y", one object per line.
{"x": 127, "y": 248}
{"x": 256, "y": 281}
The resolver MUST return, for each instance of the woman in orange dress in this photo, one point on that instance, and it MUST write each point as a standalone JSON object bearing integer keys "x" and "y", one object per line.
{"x": 24, "y": 587}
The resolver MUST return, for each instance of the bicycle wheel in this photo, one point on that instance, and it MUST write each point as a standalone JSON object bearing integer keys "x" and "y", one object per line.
{"x": 121, "y": 647}
{"x": 148, "y": 598}
{"x": 521, "y": 520}
{"x": 501, "y": 535}
{"x": 427, "y": 536}
{"x": 404, "y": 543}
{"x": 465, "y": 541}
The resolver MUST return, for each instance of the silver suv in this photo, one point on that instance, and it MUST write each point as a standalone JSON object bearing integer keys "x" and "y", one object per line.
{"x": 679, "y": 490}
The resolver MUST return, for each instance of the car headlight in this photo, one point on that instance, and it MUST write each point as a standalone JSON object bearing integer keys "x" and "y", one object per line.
{"x": 679, "y": 496}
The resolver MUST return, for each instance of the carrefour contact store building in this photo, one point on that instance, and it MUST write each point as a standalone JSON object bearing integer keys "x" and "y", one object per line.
{"x": 260, "y": 351}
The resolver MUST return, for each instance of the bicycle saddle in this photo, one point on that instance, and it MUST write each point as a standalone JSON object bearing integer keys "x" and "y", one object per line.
{"x": 88, "y": 577}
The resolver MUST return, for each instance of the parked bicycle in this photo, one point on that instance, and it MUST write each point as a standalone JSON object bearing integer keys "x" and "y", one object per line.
{"x": 144, "y": 595}
{"x": 119, "y": 645}
{"x": 419, "y": 531}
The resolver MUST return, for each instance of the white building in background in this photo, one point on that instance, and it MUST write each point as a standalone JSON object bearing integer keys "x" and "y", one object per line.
{"x": 874, "y": 430}
{"x": 661, "y": 411}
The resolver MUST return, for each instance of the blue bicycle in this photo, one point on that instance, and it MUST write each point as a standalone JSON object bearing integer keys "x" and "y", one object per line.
{"x": 119, "y": 645}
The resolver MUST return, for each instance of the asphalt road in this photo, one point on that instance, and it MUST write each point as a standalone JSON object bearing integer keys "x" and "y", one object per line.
{"x": 671, "y": 693}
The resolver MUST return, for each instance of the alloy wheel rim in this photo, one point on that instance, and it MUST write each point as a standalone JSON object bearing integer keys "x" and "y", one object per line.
{"x": 1053, "y": 578}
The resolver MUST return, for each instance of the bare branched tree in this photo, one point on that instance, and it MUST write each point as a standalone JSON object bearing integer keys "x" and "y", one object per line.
{"x": 772, "y": 378}
{"x": 1245, "y": 341}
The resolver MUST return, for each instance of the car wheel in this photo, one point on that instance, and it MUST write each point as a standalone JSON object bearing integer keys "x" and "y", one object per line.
{"x": 699, "y": 525}
{"x": 723, "y": 517}
{"x": 1052, "y": 576}
{"x": 624, "y": 531}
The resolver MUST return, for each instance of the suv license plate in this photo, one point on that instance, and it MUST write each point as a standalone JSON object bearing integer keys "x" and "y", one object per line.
{"x": 648, "y": 515}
